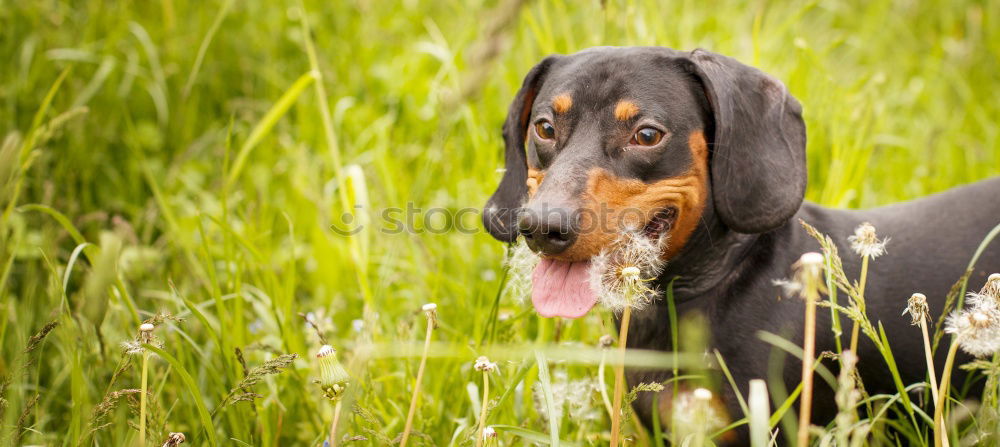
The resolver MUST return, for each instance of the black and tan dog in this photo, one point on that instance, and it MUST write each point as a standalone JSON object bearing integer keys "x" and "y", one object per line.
{"x": 711, "y": 152}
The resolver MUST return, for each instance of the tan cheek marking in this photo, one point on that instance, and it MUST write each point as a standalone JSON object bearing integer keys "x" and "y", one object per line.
{"x": 625, "y": 110}
{"x": 534, "y": 179}
{"x": 600, "y": 225}
{"x": 562, "y": 103}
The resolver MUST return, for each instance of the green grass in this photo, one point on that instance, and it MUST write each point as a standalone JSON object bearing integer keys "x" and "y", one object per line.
{"x": 173, "y": 156}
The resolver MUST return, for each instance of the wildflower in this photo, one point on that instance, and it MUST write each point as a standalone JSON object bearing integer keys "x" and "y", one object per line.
{"x": 333, "y": 378}
{"x": 619, "y": 275}
{"x": 865, "y": 243}
{"x": 916, "y": 306}
{"x": 489, "y": 433}
{"x": 808, "y": 269}
{"x": 977, "y": 330}
{"x": 520, "y": 263}
{"x": 485, "y": 365}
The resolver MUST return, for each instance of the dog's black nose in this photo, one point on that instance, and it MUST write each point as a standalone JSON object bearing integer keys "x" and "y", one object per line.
{"x": 548, "y": 231}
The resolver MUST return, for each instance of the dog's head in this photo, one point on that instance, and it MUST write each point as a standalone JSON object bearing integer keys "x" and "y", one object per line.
{"x": 648, "y": 139}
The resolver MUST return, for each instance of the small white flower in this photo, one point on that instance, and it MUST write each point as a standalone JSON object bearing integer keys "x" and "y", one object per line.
{"x": 146, "y": 327}
{"x": 484, "y": 364}
{"x": 358, "y": 325}
{"x": 865, "y": 243}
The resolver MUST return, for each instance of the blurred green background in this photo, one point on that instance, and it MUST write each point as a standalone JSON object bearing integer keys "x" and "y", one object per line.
{"x": 185, "y": 142}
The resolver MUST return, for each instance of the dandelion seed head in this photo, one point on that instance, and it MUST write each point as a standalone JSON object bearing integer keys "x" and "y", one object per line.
{"x": 865, "y": 242}
{"x": 992, "y": 287}
{"x": 485, "y": 365}
{"x": 605, "y": 341}
{"x": 916, "y": 306}
{"x": 489, "y": 433}
{"x": 808, "y": 271}
{"x": 703, "y": 394}
{"x": 977, "y": 330}
{"x": 333, "y": 378}
{"x": 521, "y": 263}
{"x": 132, "y": 347}
{"x": 620, "y": 274}
{"x": 788, "y": 287}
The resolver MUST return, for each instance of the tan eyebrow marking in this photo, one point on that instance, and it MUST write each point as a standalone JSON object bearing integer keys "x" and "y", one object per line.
{"x": 625, "y": 109}
{"x": 561, "y": 103}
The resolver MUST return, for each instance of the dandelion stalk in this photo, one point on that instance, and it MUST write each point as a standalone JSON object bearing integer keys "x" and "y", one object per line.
{"x": 619, "y": 277}
{"x": 616, "y": 412}
{"x": 430, "y": 309}
{"x": 605, "y": 343}
{"x": 865, "y": 243}
{"x": 483, "y": 364}
{"x": 482, "y": 411}
{"x": 939, "y": 429}
{"x": 333, "y": 381}
{"x": 145, "y": 331}
{"x": 918, "y": 310}
{"x": 808, "y": 271}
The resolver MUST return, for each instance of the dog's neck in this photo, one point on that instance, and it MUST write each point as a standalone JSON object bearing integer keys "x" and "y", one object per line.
{"x": 713, "y": 259}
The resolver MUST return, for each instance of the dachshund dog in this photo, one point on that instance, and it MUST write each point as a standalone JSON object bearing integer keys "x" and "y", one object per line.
{"x": 711, "y": 153}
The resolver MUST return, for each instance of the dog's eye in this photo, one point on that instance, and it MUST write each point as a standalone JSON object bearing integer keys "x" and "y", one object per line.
{"x": 545, "y": 130}
{"x": 647, "y": 136}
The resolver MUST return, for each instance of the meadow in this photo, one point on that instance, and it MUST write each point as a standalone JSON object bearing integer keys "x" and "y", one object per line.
{"x": 191, "y": 164}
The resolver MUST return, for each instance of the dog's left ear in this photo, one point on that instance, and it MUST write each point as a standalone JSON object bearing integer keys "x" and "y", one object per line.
{"x": 500, "y": 212}
{"x": 758, "y": 154}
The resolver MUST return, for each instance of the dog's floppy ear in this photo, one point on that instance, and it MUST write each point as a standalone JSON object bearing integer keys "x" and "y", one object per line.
{"x": 758, "y": 154}
{"x": 500, "y": 213}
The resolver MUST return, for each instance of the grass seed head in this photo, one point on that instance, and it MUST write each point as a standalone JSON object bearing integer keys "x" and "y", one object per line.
{"x": 865, "y": 242}
{"x": 916, "y": 306}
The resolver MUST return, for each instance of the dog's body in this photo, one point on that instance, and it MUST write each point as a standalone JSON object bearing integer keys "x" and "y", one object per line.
{"x": 931, "y": 242}
{"x": 710, "y": 156}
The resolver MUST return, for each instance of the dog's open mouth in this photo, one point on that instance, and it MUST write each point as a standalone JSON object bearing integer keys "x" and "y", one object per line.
{"x": 562, "y": 289}
{"x": 661, "y": 223}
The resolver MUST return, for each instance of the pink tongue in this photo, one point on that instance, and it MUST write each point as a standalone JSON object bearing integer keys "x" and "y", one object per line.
{"x": 560, "y": 289}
